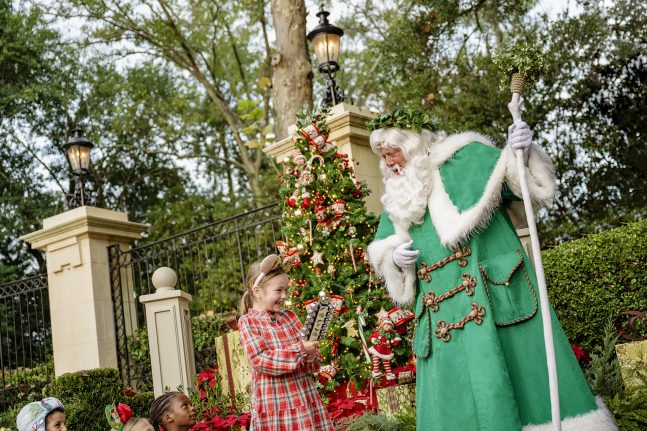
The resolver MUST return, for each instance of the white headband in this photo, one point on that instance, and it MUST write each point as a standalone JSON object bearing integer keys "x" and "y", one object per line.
{"x": 268, "y": 264}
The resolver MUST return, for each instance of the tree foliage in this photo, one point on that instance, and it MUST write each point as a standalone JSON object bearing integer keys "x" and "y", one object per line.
{"x": 222, "y": 47}
{"x": 197, "y": 100}
{"x": 327, "y": 229}
{"x": 587, "y": 111}
{"x": 29, "y": 77}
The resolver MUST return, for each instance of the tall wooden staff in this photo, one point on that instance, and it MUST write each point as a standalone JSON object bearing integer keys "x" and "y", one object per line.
{"x": 522, "y": 64}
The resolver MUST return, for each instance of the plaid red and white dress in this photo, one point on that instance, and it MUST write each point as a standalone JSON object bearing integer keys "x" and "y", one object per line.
{"x": 284, "y": 396}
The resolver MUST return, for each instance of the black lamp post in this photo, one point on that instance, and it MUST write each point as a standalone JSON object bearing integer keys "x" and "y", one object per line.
{"x": 326, "y": 39}
{"x": 77, "y": 149}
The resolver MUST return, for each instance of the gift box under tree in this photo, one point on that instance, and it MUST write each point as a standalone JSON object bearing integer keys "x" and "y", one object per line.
{"x": 392, "y": 399}
{"x": 632, "y": 358}
{"x": 234, "y": 367}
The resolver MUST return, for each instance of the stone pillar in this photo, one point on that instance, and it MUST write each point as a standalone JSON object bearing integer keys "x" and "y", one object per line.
{"x": 80, "y": 301}
{"x": 170, "y": 338}
{"x": 347, "y": 124}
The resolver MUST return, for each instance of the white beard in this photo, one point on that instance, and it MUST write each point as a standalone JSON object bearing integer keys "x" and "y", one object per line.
{"x": 405, "y": 195}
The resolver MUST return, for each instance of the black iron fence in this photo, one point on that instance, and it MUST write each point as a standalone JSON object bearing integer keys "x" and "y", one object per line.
{"x": 210, "y": 263}
{"x": 25, "y": 337}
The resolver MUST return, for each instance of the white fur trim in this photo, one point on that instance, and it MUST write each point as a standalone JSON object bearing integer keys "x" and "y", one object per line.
{"x": 454, "y": 227}
{"x": 540, "y": 175}
{"x": 596, "y": 420}
{"x": 400, "y": 283}
{"x": 443, "y": 150}
{"x": 380, "y": 355}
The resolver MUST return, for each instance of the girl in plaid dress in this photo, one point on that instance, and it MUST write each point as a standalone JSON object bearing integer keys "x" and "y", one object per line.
{"x": 284, "y": 397}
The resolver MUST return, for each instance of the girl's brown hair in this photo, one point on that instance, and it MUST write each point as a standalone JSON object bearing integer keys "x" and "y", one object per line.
{"x": 253, "y": 272}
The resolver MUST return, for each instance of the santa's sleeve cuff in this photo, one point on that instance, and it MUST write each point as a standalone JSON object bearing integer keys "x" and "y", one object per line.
{"x": 540, "y": 175}
{"x": 400, "y": 283}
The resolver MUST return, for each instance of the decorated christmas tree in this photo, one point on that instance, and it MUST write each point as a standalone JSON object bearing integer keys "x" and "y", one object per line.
{"x": 326, "y": 231}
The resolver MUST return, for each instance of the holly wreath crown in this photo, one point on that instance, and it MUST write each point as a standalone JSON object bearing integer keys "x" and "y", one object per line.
{"x": 404, "y": 118}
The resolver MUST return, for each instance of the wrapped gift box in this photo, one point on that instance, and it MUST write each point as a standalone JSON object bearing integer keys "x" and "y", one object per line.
{"x": 632, "y": 358}
{"x": 234, "y": 367}
{"x": 392, "y": 399}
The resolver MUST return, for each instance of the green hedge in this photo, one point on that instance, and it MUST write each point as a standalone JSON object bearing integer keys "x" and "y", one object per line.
{"x": 592, "y": 279}
{"x": 85, "y": 395}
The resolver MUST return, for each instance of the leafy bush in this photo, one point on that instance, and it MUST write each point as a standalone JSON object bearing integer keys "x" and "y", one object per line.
{"x": 628, "y": 405}
{"x": 603, "y": 372}
{"x": 85, "y": 395}
{"x": 25, "y": 384}
{"x": 8, "y": 417}
{"x": 629, "y": 408}
{"x": 407, "y": 419}
{"x": 591, "y": 280}
{"x": 372, "y": 422}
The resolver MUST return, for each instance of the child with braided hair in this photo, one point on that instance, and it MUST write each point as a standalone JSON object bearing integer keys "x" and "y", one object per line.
{"x": 172, "y": 411}
{"x": 284, "y": 396}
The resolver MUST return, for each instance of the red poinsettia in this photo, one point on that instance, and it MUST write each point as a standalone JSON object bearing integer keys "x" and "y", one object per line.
{"x": 354, "y": 406}
{"x": 218, "y": 414}
{"x": 581, "y": 355}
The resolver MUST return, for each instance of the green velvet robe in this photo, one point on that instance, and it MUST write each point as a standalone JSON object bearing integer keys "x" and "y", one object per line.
{"x": 481, "y": 363}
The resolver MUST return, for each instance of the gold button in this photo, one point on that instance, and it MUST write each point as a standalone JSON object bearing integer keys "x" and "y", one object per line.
{"x": 458, "y": 255}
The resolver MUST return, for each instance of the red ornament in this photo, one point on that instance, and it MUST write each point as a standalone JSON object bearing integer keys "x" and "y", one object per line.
{"x": 339, "y": 207}
{"x": 400, "y": 317}
{"x": 306, "y": 199}
{"x": 318, "y": 200}
{"x": 334, "y": 348}
{"x": 337, "y": 302}
{"x": 320, "y": 213}
{"x": 292, "y": 200}
{"x": 125, "y": 412}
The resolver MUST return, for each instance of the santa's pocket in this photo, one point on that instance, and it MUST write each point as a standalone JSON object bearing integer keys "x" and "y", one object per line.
{"x": 422, "y": 335}
{"x": 511, "y": 294}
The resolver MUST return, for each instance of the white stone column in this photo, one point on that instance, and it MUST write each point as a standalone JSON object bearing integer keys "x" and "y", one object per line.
{"x": 80, "y": 301}
{"x": 170, "y": 338}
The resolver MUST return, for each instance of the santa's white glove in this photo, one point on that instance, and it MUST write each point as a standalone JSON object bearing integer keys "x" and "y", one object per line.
{"x": 519, "y": 136}
{"x": 404, "y": 257}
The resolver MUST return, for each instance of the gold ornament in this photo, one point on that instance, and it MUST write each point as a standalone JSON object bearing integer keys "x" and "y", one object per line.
{"x": 351, "y": 329}
{"x": 332, "y": 270}
{"x": 317, "y": 258}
